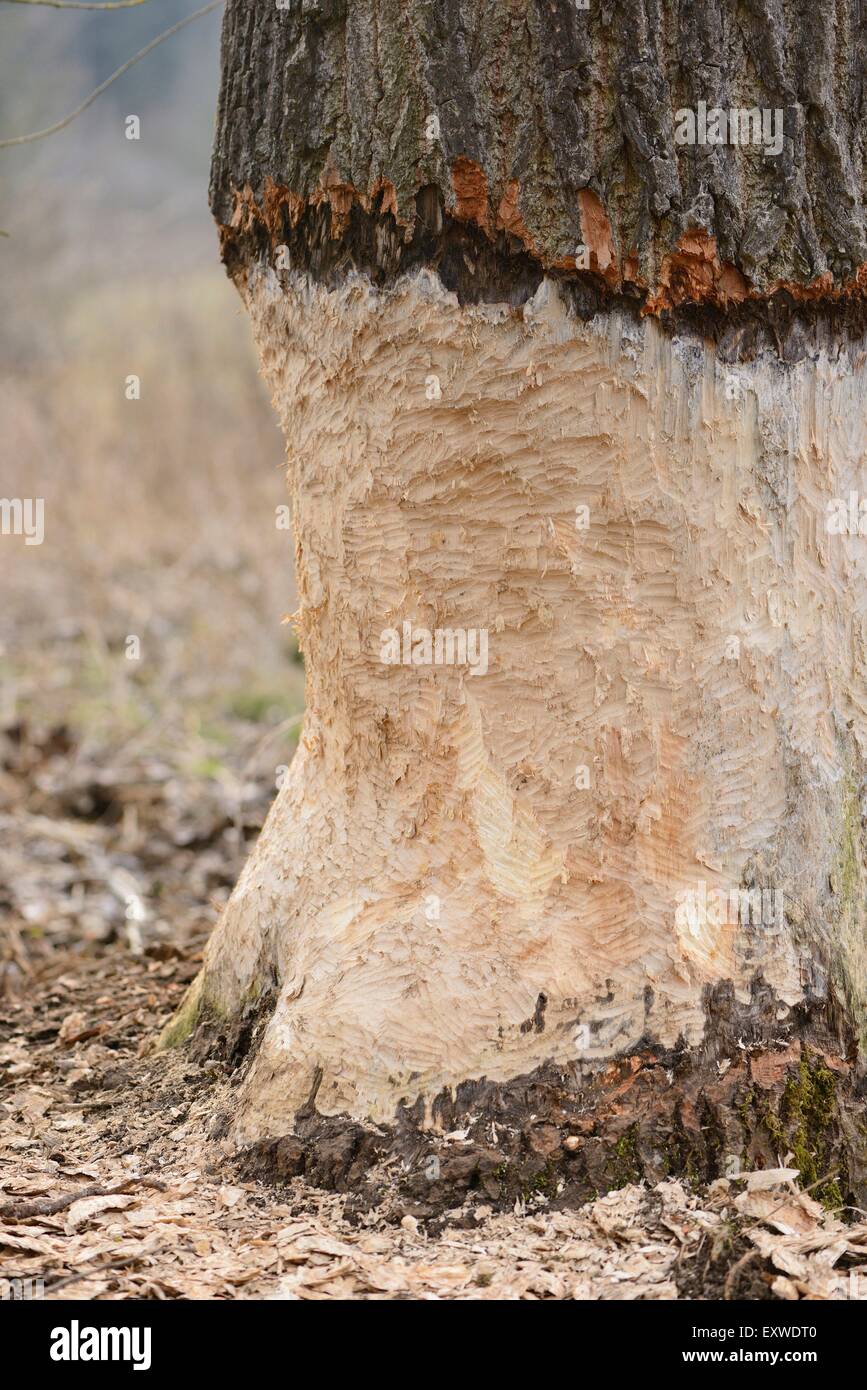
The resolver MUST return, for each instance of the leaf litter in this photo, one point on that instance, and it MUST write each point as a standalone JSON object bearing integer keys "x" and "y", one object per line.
{"x": 110, "y": 1184}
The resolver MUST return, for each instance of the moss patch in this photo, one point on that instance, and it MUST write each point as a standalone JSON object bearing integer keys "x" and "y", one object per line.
{"x": 180, "y": 1026}
{"x": 807, "y": 1111}
{"x": 849, "y": 959}
{"x": 627, "y": 1164}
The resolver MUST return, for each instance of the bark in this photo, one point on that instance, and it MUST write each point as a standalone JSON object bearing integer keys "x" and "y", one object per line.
{"x": 594, "y": 892}
{"x": 556, "y": 127}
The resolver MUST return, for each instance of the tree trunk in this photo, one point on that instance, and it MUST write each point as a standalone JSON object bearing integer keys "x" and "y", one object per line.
{"x": 571, "y": 855}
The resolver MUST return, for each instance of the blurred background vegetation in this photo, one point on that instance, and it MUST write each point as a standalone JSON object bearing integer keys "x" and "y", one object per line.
{"x": 159, "y": 512}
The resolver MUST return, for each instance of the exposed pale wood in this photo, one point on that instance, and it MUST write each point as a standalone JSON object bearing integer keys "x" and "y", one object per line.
{"x": 431, "y": 872}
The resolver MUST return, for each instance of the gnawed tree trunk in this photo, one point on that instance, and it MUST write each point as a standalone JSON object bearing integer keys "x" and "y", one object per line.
{"x": 590, "y": 887}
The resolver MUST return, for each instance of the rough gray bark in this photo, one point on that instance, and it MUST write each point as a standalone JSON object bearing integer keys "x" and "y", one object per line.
{"x": 537, "y": 101}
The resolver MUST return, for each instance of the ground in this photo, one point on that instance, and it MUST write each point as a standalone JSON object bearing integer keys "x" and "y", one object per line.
{"x": 114, "y": 1181}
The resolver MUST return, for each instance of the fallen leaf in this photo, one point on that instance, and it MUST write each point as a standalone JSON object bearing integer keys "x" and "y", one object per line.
{"x": 73, "y": 1027}
{"x": 87, "y": 1208}
{"x": 769, "y": 1177}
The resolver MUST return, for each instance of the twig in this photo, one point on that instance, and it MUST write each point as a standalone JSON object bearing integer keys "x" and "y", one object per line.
{"x": 277, "y": 732}
{"x": 799, "y": 1191}
{"x": 104, "y": 1104}
{"x": 761, "y": 1220}
{"x": 49, "y": 1206}
{"x": 102, "y": 1269}
{"x": 736, "y": 1268}
{"x": 80, "y": 4}
{"x": 88, "y": 101}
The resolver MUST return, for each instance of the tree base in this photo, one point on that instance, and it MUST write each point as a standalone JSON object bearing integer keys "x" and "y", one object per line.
{"x": 769, "y": 1087}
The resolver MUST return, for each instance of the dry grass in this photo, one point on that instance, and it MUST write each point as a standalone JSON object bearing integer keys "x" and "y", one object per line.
{"x": 159, "y": 523}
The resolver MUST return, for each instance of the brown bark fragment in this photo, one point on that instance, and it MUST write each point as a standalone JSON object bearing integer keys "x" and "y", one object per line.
{"x": 694, "y": 274}
{"x": 387, "y": 194}
{"x": 339, "y": 195}
{"x": 597, "y": 236}
{"x": 470, "y": 189}
{"x": 509, "y": 218}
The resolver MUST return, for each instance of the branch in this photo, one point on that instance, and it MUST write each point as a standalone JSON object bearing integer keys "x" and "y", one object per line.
{"x": 80, "y": 4}
{"x": 20, "y": 1211}
{"x": 59, "y": 125}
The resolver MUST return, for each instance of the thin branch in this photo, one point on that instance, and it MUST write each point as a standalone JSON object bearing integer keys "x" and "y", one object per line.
{"x": 735, "y": 1270}
{"x": 142, "y": 53}
{"x": 20, "y": 1211}
{"x": 106, "y": 1268}
{"x": 80, "y": 4}
{"x": 793, "y": 1192}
